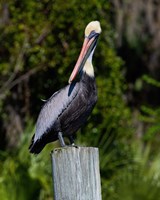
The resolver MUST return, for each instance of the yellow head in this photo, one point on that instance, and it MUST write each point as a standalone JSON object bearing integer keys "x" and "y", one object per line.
{"x": 93, "y": 26}
{"x": 84, "y": 62}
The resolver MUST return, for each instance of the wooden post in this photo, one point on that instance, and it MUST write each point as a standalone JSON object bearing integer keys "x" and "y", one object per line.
{"x": 76, "y": 173}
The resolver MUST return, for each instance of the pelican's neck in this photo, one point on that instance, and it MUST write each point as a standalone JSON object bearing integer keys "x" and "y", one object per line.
{"x": 88, "y": 67}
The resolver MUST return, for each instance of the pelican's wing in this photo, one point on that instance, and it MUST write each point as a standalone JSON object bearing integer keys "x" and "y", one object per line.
{"x": 54, "y": 107}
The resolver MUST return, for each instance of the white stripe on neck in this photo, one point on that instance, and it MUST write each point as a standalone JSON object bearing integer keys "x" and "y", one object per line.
{"x": 88, "y": 67}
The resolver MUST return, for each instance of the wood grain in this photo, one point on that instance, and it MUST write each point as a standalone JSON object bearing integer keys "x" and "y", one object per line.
{"x": 76, "y": 173}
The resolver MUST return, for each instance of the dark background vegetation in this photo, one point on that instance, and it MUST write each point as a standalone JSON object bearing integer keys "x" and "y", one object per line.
{"x": 40, "y": 42}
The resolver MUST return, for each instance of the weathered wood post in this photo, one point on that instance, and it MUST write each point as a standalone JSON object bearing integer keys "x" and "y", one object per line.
{"x": 76, "y": 173}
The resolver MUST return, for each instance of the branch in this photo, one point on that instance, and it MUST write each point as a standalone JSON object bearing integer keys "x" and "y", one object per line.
{"x": 18, "y": 81}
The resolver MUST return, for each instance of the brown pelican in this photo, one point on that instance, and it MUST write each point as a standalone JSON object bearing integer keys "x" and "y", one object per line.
{"x": 68, "y": 109}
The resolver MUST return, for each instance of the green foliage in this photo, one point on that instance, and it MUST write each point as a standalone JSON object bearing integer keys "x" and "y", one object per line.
{"x": 25, "y": 177}
{"x": 150, "y": 115}
{"x": 40, "y": 42}
{"x": 151, "y": 81}
{"x": 140, "y": 179}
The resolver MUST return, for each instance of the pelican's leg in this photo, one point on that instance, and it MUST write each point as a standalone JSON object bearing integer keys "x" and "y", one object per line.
{"x": 71, "y": 139}
{"x": 61, "y": 140}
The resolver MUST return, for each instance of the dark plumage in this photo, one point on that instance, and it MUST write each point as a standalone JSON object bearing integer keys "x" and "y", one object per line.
{"x": 81, "y": 97}
{"x": 68, "y": 109}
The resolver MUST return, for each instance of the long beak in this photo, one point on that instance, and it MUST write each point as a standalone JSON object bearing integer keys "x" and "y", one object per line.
{"x": 87, "y": 47}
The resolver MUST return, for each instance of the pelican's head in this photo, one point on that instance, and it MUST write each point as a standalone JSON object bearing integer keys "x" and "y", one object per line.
{"x": 93, "y": 26}
{"x": 92, "y": 31}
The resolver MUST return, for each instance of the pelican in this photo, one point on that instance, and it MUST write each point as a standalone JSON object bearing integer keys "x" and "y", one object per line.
{"x": 68, "y": 109}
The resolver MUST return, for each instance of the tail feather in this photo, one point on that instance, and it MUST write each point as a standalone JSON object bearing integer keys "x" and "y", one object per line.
{"x": 36, "y": 147}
